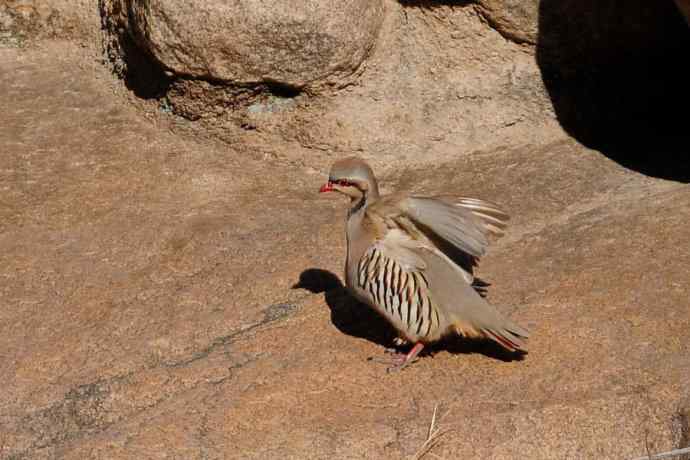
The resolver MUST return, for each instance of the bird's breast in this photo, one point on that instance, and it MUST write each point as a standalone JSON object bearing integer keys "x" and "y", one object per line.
{"x": 402, "y": 296}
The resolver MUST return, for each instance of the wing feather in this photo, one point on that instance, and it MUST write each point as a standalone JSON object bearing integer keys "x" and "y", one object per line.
{"x": 459, "y": 227}
{"x": 465, "y": 223}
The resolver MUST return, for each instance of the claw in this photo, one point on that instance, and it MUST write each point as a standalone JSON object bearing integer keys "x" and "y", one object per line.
{"x": 400, "y": 361}
{"x": 400, "y": 364}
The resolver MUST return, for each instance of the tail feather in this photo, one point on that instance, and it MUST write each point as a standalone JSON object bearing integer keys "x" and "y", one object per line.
{"x": 510, "y": 339}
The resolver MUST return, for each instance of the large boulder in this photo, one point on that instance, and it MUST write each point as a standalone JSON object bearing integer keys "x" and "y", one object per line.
{"x": 297, "y": 44}
{"x": 514, "y": 19}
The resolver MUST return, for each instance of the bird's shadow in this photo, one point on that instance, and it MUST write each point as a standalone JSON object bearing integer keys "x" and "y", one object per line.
{"x": 355, "y": 319}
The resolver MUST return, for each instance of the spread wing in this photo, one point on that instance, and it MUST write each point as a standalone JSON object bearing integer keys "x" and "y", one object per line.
{"x": 463, "y": 223}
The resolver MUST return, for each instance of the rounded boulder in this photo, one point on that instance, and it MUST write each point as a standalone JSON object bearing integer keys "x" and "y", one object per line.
{"x": 301, "y": 43}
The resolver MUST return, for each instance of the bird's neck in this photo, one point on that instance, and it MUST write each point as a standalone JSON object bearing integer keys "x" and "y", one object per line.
{"x": 357, "y": 204}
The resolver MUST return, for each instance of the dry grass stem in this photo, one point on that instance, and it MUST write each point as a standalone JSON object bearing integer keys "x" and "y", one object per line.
{"x": 662, "y": 455}
{"x": 433, "y": 437}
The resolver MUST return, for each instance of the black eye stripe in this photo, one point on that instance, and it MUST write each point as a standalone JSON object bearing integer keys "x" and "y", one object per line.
{"x": 342, "y": 182}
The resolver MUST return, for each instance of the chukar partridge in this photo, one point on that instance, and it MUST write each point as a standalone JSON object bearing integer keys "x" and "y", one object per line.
{"x": 401, "y": 262}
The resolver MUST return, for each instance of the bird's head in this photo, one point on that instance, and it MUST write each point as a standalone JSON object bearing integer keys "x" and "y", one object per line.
{"x": 352, "y": 177}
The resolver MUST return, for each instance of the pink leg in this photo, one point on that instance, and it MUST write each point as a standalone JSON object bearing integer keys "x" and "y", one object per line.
{"x": 400, "y": 362}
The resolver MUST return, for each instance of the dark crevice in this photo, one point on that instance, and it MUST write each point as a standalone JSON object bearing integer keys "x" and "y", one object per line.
{"x": 282, "y": 90}
{"x": 194, "y": 99}
{"x": 272, "y": 88}
{"x": 275, "y": 88}
{"x": 617, "y": 75}
{"x": 141, "y": 72}
{"x": 143, "y": 75}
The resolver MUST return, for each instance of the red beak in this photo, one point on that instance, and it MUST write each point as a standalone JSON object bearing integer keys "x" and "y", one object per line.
{"x": 327, "y": 187}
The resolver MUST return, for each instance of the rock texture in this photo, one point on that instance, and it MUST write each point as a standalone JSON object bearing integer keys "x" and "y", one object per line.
{"x": 148, "y": 307}
{"x": 164, "y": 294}
{"x": 304, "y": 43}
{"x": 443, "y": 79}
{"x": 24, "y": 19}
{"x": 516, "y": 20}
{"x": 438, "y": 83}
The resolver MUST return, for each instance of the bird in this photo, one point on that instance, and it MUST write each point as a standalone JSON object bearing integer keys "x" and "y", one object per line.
{"x": 410, "y": 258}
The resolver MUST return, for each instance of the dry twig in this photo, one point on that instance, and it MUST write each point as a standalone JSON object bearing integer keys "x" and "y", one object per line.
{"x": 433, "y": 436}
{"x": 669, "y": 454}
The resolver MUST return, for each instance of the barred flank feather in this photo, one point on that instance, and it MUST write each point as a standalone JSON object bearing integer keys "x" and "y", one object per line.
{"x": 402, "y": 296}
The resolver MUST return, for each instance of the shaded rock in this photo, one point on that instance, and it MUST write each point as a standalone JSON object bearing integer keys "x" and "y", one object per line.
{"x": 596, "y": 29}
{"x": 573, "y": 34}
{"x": 617, "y": 75}
{"x": 296, "y": 44}
{"x": 576, "y": 34}
{"x": 684, "y": 7}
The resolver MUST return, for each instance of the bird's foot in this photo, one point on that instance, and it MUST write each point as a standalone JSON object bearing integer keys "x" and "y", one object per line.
{"x": 399, "y": 361}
